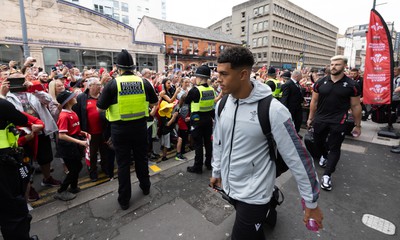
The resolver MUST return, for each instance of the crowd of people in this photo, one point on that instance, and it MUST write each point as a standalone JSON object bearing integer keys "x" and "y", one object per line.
{"x": 116, "y": 115}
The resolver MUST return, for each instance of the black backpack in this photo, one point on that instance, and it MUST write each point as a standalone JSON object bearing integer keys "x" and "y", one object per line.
{"x": 263, "y": 118}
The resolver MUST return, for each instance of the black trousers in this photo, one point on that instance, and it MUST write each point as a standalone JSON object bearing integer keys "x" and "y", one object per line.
{"x": 297, "y": 117}
{"x": 130, "y": 137}
{"x": 249, "y": 221}
{"x": 97, "y": 144}
{"x": 202, "y": 137}
{"x": 74, "y": 166}
{"x": 184, "y": 135}
{"x": 14, "y": 215}
{"x": 335, "y": 135}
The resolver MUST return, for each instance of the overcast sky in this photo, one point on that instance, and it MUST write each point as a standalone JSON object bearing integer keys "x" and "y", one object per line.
{"x": 340, "y": 13}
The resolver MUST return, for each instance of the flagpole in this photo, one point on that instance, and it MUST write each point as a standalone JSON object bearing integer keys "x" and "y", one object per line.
{"x": 373, "y": 6}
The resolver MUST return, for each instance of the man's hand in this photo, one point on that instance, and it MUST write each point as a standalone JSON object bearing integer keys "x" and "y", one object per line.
{"x": 83, "y": 143}
{"x": 315, "y": 214}
{"x": 36, "y": 128}
{"x": 309, "y": 123}
{"x": 4, "y": 88}
{"x": 215, "y": 182}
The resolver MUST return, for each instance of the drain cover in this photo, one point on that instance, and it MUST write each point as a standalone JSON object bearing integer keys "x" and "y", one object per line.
{"x": 379, "y": 224}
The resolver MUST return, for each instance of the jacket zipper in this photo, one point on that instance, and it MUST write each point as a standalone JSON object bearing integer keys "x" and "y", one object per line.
{"x": 233, "y": 133}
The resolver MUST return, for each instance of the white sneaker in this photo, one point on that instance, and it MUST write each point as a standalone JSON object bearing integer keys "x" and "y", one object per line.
{"x": 326, "y": 183}
{"x": 322, "y": 161}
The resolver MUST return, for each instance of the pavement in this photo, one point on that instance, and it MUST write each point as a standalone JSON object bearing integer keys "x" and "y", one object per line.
{"x": 182, "y": 206}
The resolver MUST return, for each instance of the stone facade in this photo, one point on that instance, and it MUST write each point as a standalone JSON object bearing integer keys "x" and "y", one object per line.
{"x": 60, "y": 24}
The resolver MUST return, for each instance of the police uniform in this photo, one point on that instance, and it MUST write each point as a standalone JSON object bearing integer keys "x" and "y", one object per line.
{"x": 14, "y": 215}
{"x": 274, "y": 84}
{"x": 201, "y": 102}
{"x": 126, "y": 100}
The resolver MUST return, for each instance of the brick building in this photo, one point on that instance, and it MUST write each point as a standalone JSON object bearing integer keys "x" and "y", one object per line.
{"x": 184, "y": 46}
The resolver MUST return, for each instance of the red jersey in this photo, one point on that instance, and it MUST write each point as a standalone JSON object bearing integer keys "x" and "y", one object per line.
{"x": 68, "y": 122}
{"x": 93, "y": 117}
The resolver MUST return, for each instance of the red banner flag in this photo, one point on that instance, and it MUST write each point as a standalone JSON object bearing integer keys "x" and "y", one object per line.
{"x": 378, "y": 62}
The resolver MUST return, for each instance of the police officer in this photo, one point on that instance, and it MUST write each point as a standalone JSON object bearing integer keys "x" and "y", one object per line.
{"x": 201, "y": 101}
{"x": 126, "y": 100}
{"x": 14, "y": 215}
{"x": 274, "y": 83}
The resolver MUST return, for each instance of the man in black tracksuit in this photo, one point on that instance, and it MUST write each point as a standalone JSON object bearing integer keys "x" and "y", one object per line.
{"x": 333, "y": 96}
{"x": 201, "y": 102}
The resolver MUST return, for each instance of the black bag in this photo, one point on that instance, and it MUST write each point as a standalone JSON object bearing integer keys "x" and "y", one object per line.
{"x": 349, "y": 123}
{"x": 379, "y": 114}
{"x": 309, "y": 142}
{"x": 263, "y": 108}
{"x": 276, "y": 199}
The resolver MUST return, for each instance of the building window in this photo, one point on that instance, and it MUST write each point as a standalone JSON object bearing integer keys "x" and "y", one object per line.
{"x": 261, "y": 10}
{"x": 243, "y": 14}
{"x": 139, "y": 8}
{"x": 260, "y": 26}
{"x": 10, "y": 52}
{"x": 125, "y": 19}
{"x": 108, "y": 11}
{"x": 243, "y": 29}
{"x": 259, "y": 42}
{"x": 254, "y": 42}
{"x": 259, "y": 55}
{"x": 116, "y": 16}
{"x": 266, "y": 9}
{"x": 265, "y": 41}
{"x": 266, "y": 25}
{"x": 211, "y": 49}
{"x": 177, "y": 43}
{"x": 116, "y": 5}
{"x": 146, "y": 10}
{"x": 99, "y": 8}
{"x": 180, "y": 46}
{"x": 265, "y": 55}
{"x": 146, "y": 61}
{"x": 254, "y": 27}
{"x": 255, "y": 11}
{"x": 124, "y": 7}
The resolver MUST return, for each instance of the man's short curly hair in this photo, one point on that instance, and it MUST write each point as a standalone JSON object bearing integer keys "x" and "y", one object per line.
{"x": 237, "y": 57}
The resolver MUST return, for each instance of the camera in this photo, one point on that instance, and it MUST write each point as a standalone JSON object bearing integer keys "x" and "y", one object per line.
{"x": 17, "y": 84}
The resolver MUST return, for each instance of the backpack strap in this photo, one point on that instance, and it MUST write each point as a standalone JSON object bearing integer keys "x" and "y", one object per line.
{"x": 263, "y": 117}
{"x": 222, "y": 104}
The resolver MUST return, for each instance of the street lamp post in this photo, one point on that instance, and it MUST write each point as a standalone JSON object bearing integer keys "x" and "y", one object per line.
{"x": 24, "y": 31}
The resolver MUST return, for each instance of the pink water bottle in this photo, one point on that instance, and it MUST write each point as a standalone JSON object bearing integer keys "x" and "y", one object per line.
{"x": 311, "y": 225}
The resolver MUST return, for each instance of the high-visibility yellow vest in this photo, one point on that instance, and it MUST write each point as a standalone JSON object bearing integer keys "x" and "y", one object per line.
{"x": 131, "y": 100}
{"x": 7, "y": 138}
{"x": 206, "y": 103}
{"x": 278, "y": 90}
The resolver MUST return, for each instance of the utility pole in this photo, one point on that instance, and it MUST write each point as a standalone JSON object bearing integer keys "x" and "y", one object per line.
{"x": 24, "y": 31}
